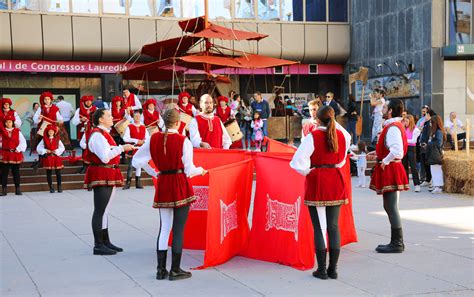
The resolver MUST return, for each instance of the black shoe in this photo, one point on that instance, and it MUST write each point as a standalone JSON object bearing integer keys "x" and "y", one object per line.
{"x": 107, "y": 243}
{"x": 396, "y": 244}
{"x": 333, "y": 259}
{"x": 127, "y": 184}
{"x": 83, "y": 169}
{"x": 60, "y": 189}
{"x": 103, "y": 250}
{"x": 138, "y": 183}
{"x": 176, "y": 273}
{"x": 51, "y": 189}
{"x": 161, "y": 272}
{"x": 4, "y": 192}
{"x": 321, "y": 272}
{"x": 17, "y": 191}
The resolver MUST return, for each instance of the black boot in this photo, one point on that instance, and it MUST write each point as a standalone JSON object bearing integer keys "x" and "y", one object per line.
{"x": 333, "y": 258}
{"x": 17, "y": 191}
{"x": 99, "y": 247}
{"x": 107, "y": 243}
{"x": 396, "y": 243}
{"x": 51, "y": 188}
{"x": 321, "y": 271}
{"x": 176, "y": 273}
{"x": 129, "y": 177}
{"x": 83, "y": 169}
{"x": 161, "y": 272}
{"x": 127, "y": 184}
{"x": 138, "y": 183}
{"x": 60, "y": 189}
{"x": 4, "y": 191}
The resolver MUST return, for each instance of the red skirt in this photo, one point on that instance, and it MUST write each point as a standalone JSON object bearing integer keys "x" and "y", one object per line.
{"x": 392, "y": 178}
{"x": 325, "y": 187}
{"x": 173, "y": 190}
{"x": 52, "y": 162}
{"x": 101, "y": 176}
{"x": 12, "y": 157}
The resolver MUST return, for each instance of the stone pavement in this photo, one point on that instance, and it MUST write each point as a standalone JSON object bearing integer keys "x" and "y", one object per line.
{"x": 46, "y": 250}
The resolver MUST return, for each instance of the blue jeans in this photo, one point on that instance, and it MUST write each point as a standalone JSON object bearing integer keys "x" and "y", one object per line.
{"x": 265, "y": 127}
{"x": 351, "y": 125}
{"x": 246, "y": 133}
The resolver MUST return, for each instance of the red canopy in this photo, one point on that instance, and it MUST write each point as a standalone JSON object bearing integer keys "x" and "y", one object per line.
{"x": 220, "y": 32}
{"x": 170, "y": 47}
{"x": 150, "y": 72}
{"x": 249, "y": 61}
{"x": 192, "y": 25}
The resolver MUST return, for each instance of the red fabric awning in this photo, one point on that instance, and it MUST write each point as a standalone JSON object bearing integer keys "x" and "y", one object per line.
{"x": 169, "y": 47}
{"x": 249, "y": 61}
{"x": 192, "y": 25}
{"x": 220, "y": 32}
{"x": 150, "y": 72}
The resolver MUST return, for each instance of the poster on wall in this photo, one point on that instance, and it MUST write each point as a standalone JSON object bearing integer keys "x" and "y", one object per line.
{"x": 396, "y": 86}
{"x": 299, "y": 100}
{"x": 23, "y": 104}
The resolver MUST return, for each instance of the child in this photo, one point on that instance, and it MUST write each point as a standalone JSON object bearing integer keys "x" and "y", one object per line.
{"x": 135, "y": 134}
{"x": 13, "y": 146}
{"x": 223, "y": 111}
{"x": 51, "y": 147}
{"x": 361, "y": 159}
{"x": 257, "y": 126}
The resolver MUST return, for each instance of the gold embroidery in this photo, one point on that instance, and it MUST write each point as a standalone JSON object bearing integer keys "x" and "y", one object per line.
{"x": 174, "y": 203}
{"x": 390, "y": 188}
{"x": 108, "y": 183}
{"x": 326, "y": 203}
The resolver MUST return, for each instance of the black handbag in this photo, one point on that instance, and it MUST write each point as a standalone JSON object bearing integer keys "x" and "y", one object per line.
{"x": 434, "y": 154}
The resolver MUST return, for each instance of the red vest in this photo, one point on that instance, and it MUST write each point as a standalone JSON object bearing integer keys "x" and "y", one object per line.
{"x": 172, "y": 190}
{"x": 50, "y": 113}
{"x": 118, "y": 114}
{"x": 99, "y": 175}
{"x": 393, "y": 177}
{"x": 187, "y": 109}
{"x": 224, "y": 115}
{"x": 85, "y": 152}
{"x": 210, "y": 131}
{"x": 130, "y": 101}
{"x": 150, "y": 118}
{"x": 137, "y": 132}
{"x": 309, "y": 127}
{"x": 11, "y": 112}
{"x": 84, "y": 113}
{"x": 51, "y": 144}
{"x": 10, "y": 141}
{"x": 317, "y": 191}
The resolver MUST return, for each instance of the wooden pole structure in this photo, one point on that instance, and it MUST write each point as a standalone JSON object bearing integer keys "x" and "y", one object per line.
{"x": 468, "y": 136}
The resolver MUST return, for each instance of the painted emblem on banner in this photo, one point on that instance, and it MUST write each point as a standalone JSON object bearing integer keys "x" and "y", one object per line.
{"x": 228, "y": 218}
{"x": 283, "y": 216}
{"x": 202, "y": 197}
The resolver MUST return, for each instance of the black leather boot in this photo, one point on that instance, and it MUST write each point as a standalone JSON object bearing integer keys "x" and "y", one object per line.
{"x": 176, "y": 273}
{"x": 396, "y": 243}
{"x": 4, "y": 191}
{"x": 129, "y": 177}
{"x": 333, "y": 258}
{"x": 18, "y": 191}
{"x": 138, "y": 183}
{"x": 51, "y": 188}
{"x": 107, "y": 243}
{"x": 99, "y": 247}
{"x": 161, "y": 272}
{"x": 60, "y": 189}
{"x": 321, "y": 259}
{"x": 127, "y": 184}
{"x": 83, "y": 169}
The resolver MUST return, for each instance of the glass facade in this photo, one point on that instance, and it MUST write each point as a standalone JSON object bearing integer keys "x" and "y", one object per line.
{"x": 459, "y": 21}
{"x": 266, "y": 10}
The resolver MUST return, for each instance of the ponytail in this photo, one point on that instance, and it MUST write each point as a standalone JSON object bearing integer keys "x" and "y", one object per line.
{"x": 326, "y": 117}
{"x": 170, "y": 117}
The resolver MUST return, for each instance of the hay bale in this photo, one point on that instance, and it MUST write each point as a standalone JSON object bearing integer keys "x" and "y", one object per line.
{"x": 458, "y": 172}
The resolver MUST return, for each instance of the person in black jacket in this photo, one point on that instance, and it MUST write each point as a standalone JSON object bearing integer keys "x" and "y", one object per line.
{"x": 331, "y": 102}
{"x": 352, "y": 118}
{"x": 424, "y": 139}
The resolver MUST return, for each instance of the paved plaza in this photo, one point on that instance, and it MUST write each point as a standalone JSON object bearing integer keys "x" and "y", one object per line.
{"x": 46, "y": 250}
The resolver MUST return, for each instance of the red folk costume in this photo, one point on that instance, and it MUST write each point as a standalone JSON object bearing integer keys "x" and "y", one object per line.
{"x": 325, "y": 183}
{"x": 309, "y": 127}
{"x": 188, "y": 108}
{"x": 173, "y": 187}
{"x": 48, "y": 112}
{"x": 393, "y": 177}
{"x": 3, "y": 114}
{"x": 10, "y": 142}
{"x": 84, "y": 113}
{"x": 210, "y": 130}
{"x": 137, "y": 133}
{"x": 86, "y": 152}
{"x": 223, "y": 114}
{"x": 51, "y": 161}
{"x": 130, "y": 101}
{"x": 150, "y": 119}
{"x": 103, "y": 174}
{"x": 117, "y": 113}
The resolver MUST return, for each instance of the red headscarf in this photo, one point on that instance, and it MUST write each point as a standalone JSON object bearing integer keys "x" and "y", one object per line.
{"x": 44, "y": 95}
{"x": 9, "y": 117}
{"x": 6, "y": 100}
{"x": 49, "y": 143}
{"x": 148, "y": 102}
{"x": 117, "y": 114}
{"x": 222, "y": 98}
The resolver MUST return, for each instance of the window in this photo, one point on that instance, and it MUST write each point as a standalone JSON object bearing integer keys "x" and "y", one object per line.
{"x": 3, "y": 4}
{"x": 316, "y": 10}
{"x": 338, "y": 11}
{"x": 292, "y": 10}
{"x": 219, "y": 9}
{"x": 460, "y": 21}
{"x": 168, "y": 8}
{"x": 194, "y": 8}
{"x": 113, "y": 6}
{"x": 244, "y": 9}
{"x": 85, "y": 6}
{"x": 269, "y": 10}
{"x": 26, "y": 5}
{"x": 56, "y": 6}
{"x": 141, "y": 7}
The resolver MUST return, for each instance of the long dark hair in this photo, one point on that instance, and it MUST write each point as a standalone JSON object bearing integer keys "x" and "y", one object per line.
{"x": 326, "y": 117}
{"x": 437, "y": 123}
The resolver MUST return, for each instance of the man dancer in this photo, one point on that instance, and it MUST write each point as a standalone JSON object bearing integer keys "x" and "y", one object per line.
{"x": 389, "y": 177}
{"x": 131, "y": 101}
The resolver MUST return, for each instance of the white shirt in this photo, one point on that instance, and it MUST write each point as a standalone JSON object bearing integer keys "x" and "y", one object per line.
{"x": 301, "y": 161}
{"x": 196, "y": 137}
{"x": 21, "y": 148}
{"x": 449, "y": 125}
{"x": 127, "y": 138}
{"x": 65, "y": 109}
{"x": 83, "y": 143}
{"x": 414, "y": 136}
{"x": 379, "y": 107}
{"x": 99, "y": 145}
{"x": 393, "y": 141}
{"x": 143, "y": 156}
{"x": 42, "y": 150}
{"x": 17, "y": 122}
{"x": 36, "y": 117}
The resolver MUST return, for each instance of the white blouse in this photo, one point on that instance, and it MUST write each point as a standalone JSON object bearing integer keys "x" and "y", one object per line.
{"x": 393, "y": 141}
{"x": 42, "y": 150}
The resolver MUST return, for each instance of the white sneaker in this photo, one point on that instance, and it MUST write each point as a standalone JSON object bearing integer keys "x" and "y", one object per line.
{"x": 362, "y": 186}
{"x": 425, "y": 184}
{"x": 257, "y": 150}
{"x": 417, "y": 188}
{"x": 437, "y": 190}
{"x": 431, "y": 188}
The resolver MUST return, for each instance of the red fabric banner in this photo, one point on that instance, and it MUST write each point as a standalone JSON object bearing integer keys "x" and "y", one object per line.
{"x": 285, "y": 234}
{"x": 274, "y": 146}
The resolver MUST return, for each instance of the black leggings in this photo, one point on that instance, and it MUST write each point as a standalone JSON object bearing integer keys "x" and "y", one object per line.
{"x": 410, "y": 161}
{"x": 426, "y": 167}
{"x": 390, "y": 204}
{"x": 179, "y": 215}
{"x": 332, "y": 220}
{"x": 102, "y": 197}
{"x": 15, "y": 168}
{"x": 49, "y": 176}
